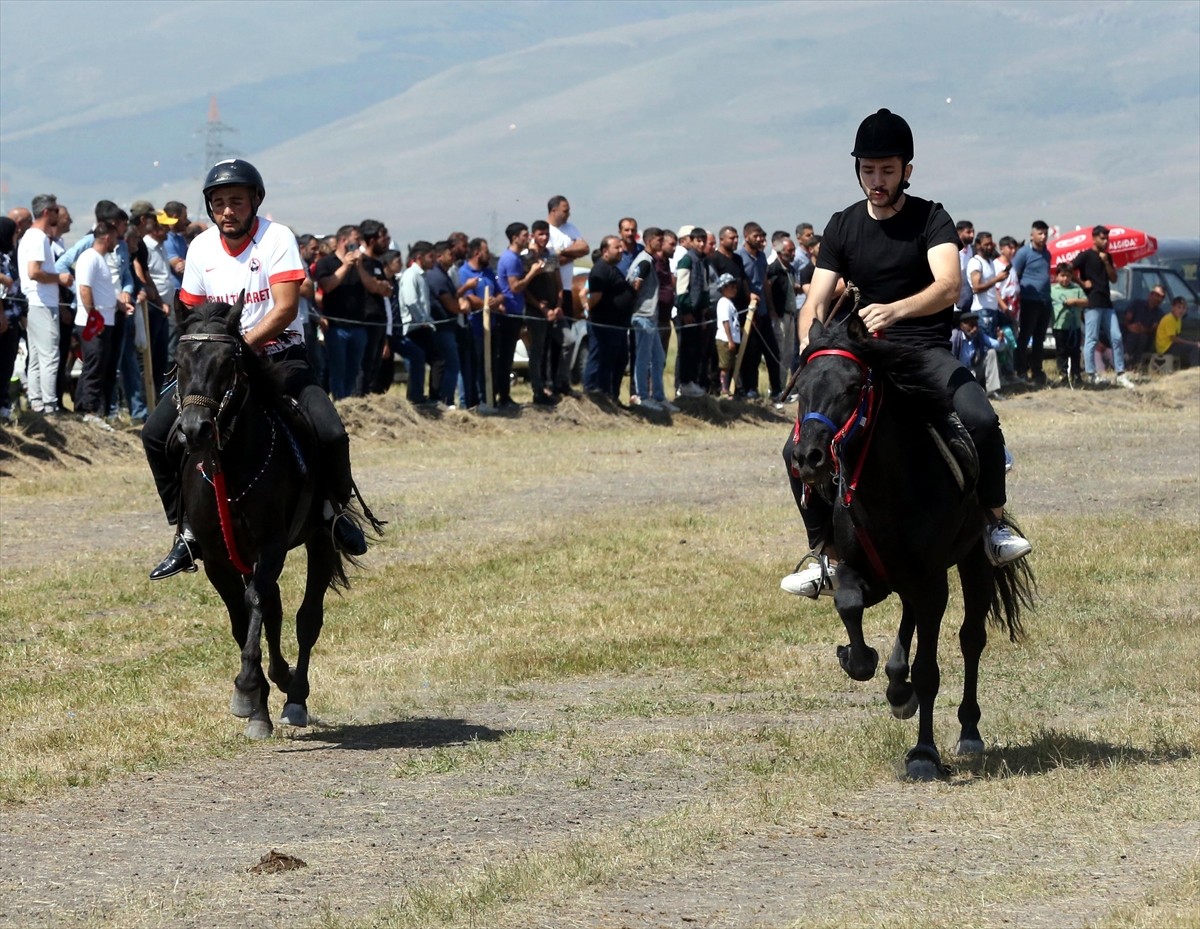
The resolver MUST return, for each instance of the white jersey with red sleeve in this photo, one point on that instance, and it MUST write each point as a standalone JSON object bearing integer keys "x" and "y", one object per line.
{"x": 215, "y": 274}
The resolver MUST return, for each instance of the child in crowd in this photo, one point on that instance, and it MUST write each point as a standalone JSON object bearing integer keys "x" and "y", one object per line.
{"x": 1067, "y": 301}
{"x": 729, "y": 332}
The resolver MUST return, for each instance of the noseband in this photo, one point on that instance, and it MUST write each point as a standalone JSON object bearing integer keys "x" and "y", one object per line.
{"x": 236, "y": 390}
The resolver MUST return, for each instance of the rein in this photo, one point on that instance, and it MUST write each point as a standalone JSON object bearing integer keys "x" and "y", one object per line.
{"x": 221, "y": 435}
{"x": 863, "y": 419}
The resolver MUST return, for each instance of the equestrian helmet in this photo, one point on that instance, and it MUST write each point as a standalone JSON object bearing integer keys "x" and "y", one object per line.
{"x": 884, "y": 135}
{"x": 233, "y": 172}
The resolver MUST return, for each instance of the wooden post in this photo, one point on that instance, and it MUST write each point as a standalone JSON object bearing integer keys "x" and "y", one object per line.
{"x": 737, "y": 365}
{"x": 487, "y": 348}
{"x": 147, "y": 367}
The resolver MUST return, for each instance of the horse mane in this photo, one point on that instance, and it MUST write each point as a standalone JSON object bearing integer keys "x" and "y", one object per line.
{"x": 907, "y": 368}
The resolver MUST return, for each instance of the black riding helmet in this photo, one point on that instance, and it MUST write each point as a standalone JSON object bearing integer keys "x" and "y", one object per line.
{"x": 883, "y": 134}
{"x": 233, "y": 172}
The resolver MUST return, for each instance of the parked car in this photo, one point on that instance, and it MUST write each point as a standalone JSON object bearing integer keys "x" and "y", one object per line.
{"x": 1181, "y": 255}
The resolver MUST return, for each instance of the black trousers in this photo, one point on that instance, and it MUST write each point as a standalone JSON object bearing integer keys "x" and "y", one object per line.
{"x": 300, "y": 383}
{"x": 1035, "y": 320}
{"x": 99, "y": 370}
{"x": 973, "y": 408}
{"x": 761, "y": 346}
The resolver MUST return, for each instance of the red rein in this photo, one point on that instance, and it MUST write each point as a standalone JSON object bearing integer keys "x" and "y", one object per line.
{"x": 226, "y": 517}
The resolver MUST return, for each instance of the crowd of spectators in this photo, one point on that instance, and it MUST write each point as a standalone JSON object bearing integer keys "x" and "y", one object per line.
{"x": 456, "y": 309}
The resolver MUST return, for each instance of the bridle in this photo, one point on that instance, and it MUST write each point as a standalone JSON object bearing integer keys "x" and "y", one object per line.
{"x": 236, "y": 392}
{"x": 863, "y": 418}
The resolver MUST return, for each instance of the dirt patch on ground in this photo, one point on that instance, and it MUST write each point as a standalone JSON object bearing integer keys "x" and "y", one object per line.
{"x": 178, "y": 847}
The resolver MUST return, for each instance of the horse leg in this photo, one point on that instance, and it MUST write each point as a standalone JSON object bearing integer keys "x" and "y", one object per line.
{"x": 857, "y": 659}
{"x": 309, "y": 619}
{"x": 261, "y": 592}
{"x": 232, "y": 588}
{"x": 900, "y": 694}
{"x": 277, "y": 666}
{"x": 923, "y": 763}
{"x": 975, "y": 575}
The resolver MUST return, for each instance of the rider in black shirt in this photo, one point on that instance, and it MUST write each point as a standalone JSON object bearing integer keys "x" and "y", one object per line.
{"x": 902, "y": 253}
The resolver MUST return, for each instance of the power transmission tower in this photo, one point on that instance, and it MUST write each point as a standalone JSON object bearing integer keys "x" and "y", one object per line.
{"x": 215, "y": 148}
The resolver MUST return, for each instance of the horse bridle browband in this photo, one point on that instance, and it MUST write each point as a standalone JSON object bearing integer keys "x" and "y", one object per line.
{"x": 223, "y": 404}
{"x": 850, "y": 426}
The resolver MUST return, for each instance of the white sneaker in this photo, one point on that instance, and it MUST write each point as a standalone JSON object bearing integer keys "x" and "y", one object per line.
{"x": 1124, "y": 381}
{"x": 1004, "y": 546}
{"x": 819, "y": 578}
{"x": 93, "y": 420}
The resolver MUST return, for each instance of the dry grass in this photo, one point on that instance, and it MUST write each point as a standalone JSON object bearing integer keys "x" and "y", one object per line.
{"x": 625, "y": 640}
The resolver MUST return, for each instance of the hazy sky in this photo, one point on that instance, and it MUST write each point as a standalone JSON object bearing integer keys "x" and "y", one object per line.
{"x": 434, "y": 116}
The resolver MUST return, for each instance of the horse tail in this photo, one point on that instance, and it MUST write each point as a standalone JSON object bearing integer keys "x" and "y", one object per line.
{"x": 1014, "y": 589}
{"x": 370, "y": 525}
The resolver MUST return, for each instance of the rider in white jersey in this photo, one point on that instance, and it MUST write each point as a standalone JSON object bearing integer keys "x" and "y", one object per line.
{"x": 243, "y": 251}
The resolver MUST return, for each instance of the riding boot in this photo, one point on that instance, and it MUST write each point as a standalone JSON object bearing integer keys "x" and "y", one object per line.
{"x": 182, "y": 557}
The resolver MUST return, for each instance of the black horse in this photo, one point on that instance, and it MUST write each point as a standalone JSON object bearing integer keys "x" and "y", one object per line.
{"x": 904, "y": 511}
{"x": 250, "y": 489}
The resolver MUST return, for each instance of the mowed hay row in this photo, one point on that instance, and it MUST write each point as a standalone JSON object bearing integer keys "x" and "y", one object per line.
{"x": 567, "y": 691}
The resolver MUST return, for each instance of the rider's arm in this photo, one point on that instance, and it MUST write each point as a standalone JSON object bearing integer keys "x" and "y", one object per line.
{"x": 943, "y": 292}
{"x": 286, "y": 298}
{"x": 821, "y": 291}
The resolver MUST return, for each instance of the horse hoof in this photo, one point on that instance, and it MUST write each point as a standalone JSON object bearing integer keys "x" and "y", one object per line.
{"x": 862, "y": 670}
{"x": 969, "y": 747}
{"x": 241, "y": 704}
{"x": 259, "y": 729}
{"x": 922, "y": 770}
{"x": 923, "y": 763}
{"x": 905, "y": 710}
{"x": 294, "y": 714}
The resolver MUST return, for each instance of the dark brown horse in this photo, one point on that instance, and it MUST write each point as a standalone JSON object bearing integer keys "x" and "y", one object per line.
{"x": 250, "y": 492}
{"x": 904, "y": 513}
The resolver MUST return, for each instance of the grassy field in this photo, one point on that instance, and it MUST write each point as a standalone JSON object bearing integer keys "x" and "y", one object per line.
{"x": 568, "y": 692}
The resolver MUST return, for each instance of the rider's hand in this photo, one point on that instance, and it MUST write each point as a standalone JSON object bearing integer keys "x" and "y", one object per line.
{"x": 878, "y": 316}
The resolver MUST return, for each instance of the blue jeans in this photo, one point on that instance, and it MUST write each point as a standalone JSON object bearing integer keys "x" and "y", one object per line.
{"x": 345, "y": 347}
{"x": 414, "y": 355}
{"x": 129, "y": 367}
{"x": 1095, "y": 321}
{"x": 649, "y": 359}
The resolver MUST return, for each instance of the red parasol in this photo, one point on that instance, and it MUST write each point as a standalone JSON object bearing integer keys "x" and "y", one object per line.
{"x": 1125, "y": 245}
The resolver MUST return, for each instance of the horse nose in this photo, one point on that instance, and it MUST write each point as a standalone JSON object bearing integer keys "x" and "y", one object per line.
{"x": 815, "y": 459}
{"x": 198, "y": 433}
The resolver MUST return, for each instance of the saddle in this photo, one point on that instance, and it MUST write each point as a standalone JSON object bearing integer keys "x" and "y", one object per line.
{"x": 954, "y": 443}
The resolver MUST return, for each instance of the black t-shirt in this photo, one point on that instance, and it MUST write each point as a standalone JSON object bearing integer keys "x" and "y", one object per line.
{"x": 721, "y": 264}
{"x": 374, "y": 310}
{"x": 887, "y": 260}
{"x": 346, "y": 301}
{"x": 779, "y": 282}
{"x": 617, "y": 295}
{"x": 439, "y": 284}
{"x": 1091, "y": 267}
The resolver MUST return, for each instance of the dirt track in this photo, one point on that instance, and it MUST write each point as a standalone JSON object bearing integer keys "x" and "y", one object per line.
{"x": 174, "y": 848}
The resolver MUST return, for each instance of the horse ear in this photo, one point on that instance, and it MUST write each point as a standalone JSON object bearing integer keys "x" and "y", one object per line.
{"x": 856, "y": 328}
{"x": 234, "y": 320}
{"x": 815, "y": 330}
{"x": 178, "y": 308}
